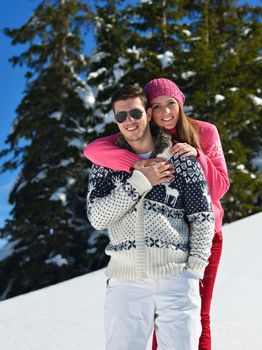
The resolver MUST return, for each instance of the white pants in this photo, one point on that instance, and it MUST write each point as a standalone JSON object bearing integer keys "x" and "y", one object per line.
{"x": 170, "y": 305}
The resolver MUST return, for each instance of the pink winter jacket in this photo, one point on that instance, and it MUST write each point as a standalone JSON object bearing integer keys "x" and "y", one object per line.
{"x": 211, "y": 158}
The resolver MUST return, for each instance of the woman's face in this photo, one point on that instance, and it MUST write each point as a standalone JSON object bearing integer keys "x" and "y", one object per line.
{"x": 165, "y": 111}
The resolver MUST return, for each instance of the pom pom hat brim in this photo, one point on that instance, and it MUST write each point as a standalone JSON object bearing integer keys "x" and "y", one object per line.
{"x": 163, "y": 87}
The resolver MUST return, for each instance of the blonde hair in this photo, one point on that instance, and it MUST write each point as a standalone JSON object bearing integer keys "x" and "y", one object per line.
{"x": 187, "y": 129}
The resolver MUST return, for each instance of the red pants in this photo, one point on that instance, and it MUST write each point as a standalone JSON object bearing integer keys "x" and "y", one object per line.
{"x": 206, "y": 292}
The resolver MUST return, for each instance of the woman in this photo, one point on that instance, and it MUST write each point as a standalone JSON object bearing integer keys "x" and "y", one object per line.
{"x": 191, "y": 138}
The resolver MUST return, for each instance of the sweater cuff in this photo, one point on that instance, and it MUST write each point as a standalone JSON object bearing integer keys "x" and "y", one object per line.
{"x": 196, "y": 266}
{"x": 140, "y": 182}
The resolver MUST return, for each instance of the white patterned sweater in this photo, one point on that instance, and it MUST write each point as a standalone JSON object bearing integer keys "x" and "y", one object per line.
{"x": 155, "y": 232}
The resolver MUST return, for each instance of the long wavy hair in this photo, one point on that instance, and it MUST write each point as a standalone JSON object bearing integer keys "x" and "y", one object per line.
{"x": 187, "y": 129}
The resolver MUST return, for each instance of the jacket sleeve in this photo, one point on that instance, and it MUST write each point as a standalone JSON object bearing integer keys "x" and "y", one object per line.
{"x": 213, "y": 163}
{"x": 104, "y": 152}
{"x": 198, "y": 210}
{"x": 110, "y": 197}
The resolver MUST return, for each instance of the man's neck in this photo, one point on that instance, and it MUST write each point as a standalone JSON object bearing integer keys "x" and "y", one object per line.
{"x": 156, "y": 144}
{"x": 143, "y": 146}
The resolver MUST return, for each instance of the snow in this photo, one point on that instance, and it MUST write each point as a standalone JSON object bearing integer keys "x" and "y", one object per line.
{"x": 186, "y": 32}
{"x": 219, "y": 98}
{"x": 57, "y": 260}
{"x": 188, "y": 109}
{"x": 71, "y": 181}
{"x": 56, "y": 115}
{"x": 34, "y": 21}
{"x": 65, "y": 162}
{"x": 259, "y": 58}
{"x": 60, "y": 194}
{"x": 82, "y": 58}
{"x": 166, "y": 59}
{"x": 246, "y": 31}
{"x": 242, "y": 168}
{"x": 108, "y": 27}
{"x": 195, "y": 38}
{"x": 98, "y": 56}
{"x": 94, "y": 75}
{"x": 256, "y": 100}
{"x": 22, "y": 183}
{"x": 135, "y": 51}
{"x": 188, "y": 74}
{"x": 118, "y": 71}
{"x": 237, "y": 306}
{"x": 257, "y": 160}
{"x": 40, "y": 176}
{"x": 87, "y": 96}
{"x": 139, "y": 65}
{"x": 69, "y": 315}
{"x": 109, "y": 118}
{"x": 6, "y": 249}
{"x": 76, "y": 142}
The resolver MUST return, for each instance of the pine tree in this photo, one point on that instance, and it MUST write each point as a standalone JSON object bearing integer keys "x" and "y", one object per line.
{"x": 211, "y": 49}
{"x": 159, "y": 29}
{"x": 135, "y": 43}
{"x": 107, "y": 61}
{"x": 223, "y": 56}
{"x": 48, "y": 230}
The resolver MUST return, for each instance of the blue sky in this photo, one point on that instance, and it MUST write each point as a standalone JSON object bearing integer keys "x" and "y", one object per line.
{"x": 14, "y": 13}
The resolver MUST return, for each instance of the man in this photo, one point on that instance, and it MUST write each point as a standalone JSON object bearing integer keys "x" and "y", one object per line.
{"x": 161, "y": 229}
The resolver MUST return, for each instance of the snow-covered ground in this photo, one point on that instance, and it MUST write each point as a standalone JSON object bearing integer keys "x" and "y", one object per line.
{"x": 69, "y": 315}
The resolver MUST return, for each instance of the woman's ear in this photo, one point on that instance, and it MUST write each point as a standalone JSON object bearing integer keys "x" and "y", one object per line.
{"x": 149, "y": 113}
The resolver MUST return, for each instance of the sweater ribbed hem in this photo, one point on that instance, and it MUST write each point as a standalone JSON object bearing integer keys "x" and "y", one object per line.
{"x": 140, "y": 182}
{"x": 163, "y": 263}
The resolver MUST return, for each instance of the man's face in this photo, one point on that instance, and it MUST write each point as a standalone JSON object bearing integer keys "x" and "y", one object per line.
{"x": 132, "y": 129}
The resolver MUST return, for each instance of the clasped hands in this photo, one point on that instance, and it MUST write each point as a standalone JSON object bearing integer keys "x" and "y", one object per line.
{"x": 157, "y": 170}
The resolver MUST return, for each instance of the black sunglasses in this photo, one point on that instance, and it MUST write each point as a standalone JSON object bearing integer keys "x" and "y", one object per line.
{"x": 135, "y": 113}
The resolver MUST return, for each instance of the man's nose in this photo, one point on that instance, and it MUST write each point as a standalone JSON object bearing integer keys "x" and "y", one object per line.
{"x": 129, "y": 118}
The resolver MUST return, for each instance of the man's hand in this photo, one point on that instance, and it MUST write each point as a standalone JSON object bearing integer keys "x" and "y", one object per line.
{"x": 183, "y": 149}
{"x": 141, "y": 163}
{"x": 156, "y": 170}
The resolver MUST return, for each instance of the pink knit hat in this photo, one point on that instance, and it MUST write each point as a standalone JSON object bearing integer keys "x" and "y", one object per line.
{"x": 163, "y": 87}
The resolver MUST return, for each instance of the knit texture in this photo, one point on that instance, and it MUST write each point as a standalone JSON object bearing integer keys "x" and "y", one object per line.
{"x": 211, "y": 158}
{"x": 157, "y": 231}
{"x": 163, "y": 87}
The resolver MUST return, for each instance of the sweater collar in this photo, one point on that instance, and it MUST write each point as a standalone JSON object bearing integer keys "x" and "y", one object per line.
{"x": 173, "y": 131}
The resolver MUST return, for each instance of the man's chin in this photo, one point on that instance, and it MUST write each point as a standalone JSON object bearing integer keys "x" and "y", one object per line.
{"x": 132, "y": 138}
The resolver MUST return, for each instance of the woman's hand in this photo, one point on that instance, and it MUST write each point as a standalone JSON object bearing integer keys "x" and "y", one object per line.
{"x": 183, "y": 149}
{"x": 156, "y": 170}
